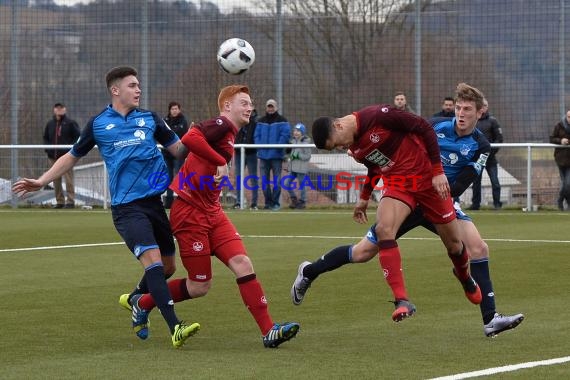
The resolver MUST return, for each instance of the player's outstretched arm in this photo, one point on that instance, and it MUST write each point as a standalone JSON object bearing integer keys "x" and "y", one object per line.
{"x": 61, "y": 166}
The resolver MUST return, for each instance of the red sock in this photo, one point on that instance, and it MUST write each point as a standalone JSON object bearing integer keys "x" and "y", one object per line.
{"x": 255, "y": 301}
{"x": 461, "y": 264}
{"x": 391, "y": 263}
{"x": 178, "y": 291}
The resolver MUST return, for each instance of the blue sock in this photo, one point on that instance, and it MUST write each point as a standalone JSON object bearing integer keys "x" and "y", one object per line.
{"x": 158, "y": 289}
{"x": 480, "y": 272}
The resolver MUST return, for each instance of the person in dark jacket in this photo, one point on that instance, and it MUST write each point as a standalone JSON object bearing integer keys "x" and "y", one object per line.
{"x": 561, "y": 136}
{"x": 272, "y": 129}
{"x": 492, "y": 131}
{"x": 61, "y": 130}
{"x": 447, "y": 108}
{"x": 178, "y": 123}
{"x": 246, "y": 136}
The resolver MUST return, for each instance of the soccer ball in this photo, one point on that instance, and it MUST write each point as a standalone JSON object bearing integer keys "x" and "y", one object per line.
{"x": 235, "y": 56}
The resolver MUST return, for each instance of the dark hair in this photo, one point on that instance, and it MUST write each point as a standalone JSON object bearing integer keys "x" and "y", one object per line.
{"x": 117, "y": 73}
{"x": 173, "y": 104}
{"x": 321, "y": 131}
{"x": 449, "y": 98}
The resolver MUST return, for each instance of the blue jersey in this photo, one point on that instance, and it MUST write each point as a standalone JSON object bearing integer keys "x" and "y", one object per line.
{"x": 128, "y": 146}
{"x": 460, "y": 152}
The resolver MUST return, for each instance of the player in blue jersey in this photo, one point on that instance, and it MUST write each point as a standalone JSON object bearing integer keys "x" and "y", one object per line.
{"x": 127, "y": 138}
{"x": 464, "y": 151}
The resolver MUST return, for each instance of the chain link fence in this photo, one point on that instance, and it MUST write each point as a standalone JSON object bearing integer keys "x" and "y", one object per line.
{"x": 316, "y": 57}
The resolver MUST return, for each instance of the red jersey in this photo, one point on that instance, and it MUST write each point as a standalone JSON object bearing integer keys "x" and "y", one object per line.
{"x": 211, "y": 144}
{"x": 391, "y": 142}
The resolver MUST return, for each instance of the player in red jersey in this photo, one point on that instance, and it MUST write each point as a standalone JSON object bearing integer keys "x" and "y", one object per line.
{"x": 396, "y": 144}
{"x": 200, "y": 224}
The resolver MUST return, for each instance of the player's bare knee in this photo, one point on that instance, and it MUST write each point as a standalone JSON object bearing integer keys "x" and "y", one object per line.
{"x": 384, "y": 232}
{"x": 241, "y": 265}
{"x": 479, "y": 250}
{"x": 198, "y": 289}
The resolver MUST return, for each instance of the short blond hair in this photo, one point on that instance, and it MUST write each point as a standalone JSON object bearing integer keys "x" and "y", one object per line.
{"x": 229, "y": 92}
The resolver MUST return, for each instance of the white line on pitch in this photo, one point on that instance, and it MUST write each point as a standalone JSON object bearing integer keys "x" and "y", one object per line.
{"x": 403, "y": 238}
{"x": 271, "y": 237}
{"x": 58, "y": 247}
{"x": 507, "y": 368}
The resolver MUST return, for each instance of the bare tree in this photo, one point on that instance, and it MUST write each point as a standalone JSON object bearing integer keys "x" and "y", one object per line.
{"x": 335, "y": 45}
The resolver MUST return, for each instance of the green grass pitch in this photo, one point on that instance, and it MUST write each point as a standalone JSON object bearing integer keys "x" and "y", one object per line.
{"x": 60, "y": 317}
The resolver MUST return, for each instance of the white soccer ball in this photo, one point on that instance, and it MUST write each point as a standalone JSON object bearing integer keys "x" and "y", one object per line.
{"x": 235, "y": 56}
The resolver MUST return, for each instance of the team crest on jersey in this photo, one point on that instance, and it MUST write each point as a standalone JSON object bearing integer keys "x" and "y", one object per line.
{"x": 219, "y": 121}
{"x": 197, "y": 246}
{"x": 379, "y": 159}
{"x": 440, "y": 135}
{"x": 375, "y": 138}
{"x": 465, "y": 149}
{"x": 140, "y": 134}
{"x": 384, "y": 109}
{"x": 140, "y": 122}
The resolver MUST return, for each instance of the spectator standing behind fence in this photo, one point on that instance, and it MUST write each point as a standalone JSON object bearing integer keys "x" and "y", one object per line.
{"x": 61, "y": 130}
{"x": 401, "y": 102}
{"x": 447, "y": 108}
{"x": 561, "y": 136}
{"x": 272, "y": 128}
{"x": 178, "y": 123}
{"x": 298, "y": 167}
{"x": 492, "y": 131}
{"x": 245, "y": 136}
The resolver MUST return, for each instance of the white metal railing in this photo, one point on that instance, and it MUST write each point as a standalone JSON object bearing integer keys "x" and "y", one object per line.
{"x": 529, "y": 147}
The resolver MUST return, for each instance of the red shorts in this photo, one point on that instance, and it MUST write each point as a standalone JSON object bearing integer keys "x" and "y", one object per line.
{"x": 201, "y": 235}
{"x": 436, "y": 210}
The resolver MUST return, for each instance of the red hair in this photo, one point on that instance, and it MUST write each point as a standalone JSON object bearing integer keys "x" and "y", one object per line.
{"x": 229, "y": 92}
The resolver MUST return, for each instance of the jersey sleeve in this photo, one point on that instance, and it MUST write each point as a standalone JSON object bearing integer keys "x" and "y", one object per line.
{"x": 463, "y": 180}
{"x": 163, "y": 134}
{"x": 474, "y": 168}
{"x": 86, "y": 141}
{"x": 480, "y": 157}
{"x": 215, "y": 129}
{"x": 196, "y": 143}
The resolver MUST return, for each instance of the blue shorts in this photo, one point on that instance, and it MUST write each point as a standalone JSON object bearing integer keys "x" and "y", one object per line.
{"x": 143, "y": 225}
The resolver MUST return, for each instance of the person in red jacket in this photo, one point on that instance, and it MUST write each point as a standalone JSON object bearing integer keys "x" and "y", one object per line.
{"x": 200, "y": 225}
